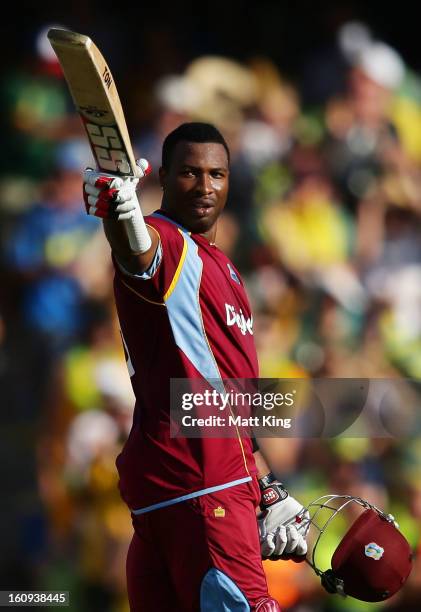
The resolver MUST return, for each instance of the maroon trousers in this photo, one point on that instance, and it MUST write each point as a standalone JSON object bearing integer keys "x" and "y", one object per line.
{"x": 174, "y": 548}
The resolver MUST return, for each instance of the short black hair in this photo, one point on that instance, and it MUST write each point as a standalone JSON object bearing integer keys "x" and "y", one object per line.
{"x": 191, "y": 132}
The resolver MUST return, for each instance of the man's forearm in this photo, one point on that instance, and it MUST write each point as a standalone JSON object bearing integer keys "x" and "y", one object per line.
{"x": 262, "y": 467}
{"x": 117, "y": 237}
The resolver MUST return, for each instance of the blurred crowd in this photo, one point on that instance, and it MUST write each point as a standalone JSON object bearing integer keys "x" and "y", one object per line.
{"x": 324, "y": 223}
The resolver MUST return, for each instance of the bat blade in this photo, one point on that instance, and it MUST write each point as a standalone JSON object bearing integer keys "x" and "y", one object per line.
{"x": 95, "y": 96}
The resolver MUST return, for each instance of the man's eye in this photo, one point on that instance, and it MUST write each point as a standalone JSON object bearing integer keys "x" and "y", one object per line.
{"x": 218, "y": 174}
{"x": 187, "y": 173}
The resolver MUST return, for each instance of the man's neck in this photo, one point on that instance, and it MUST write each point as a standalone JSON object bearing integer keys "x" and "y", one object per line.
{"x": 210, "y": 235}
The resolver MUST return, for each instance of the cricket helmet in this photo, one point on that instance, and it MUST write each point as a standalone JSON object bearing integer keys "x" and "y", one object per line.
{"x": 373, "y": 559}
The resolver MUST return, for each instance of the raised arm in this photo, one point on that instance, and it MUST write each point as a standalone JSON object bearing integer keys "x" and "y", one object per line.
{"x": 114, "y": 199}
{"x": 135, "y": 263}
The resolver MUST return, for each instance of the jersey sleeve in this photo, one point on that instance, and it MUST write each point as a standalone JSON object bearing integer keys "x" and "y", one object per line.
{"x": 154, "y": 283}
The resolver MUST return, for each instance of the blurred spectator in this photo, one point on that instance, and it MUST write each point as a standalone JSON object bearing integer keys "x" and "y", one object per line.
{"x": 309, "y": 230}
{"x": 35, "y": 115}
{"x": 44, "y": 246}
{"x": 359, "y": 124}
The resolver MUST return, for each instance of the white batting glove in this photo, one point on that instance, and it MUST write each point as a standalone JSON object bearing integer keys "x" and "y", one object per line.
{"x": 283, "y": 523}
{"x": 112, "y": 197}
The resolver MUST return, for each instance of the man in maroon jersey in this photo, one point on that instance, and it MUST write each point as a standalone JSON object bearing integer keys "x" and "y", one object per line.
{"x": 197, "y": 544}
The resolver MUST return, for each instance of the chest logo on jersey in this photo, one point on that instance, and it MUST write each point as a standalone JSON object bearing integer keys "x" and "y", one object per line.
{"x": 238, "y": 319}
{"x": 233, "y": 274}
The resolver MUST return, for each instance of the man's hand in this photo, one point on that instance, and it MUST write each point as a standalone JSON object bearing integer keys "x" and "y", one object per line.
{"x": 283, "y": 523}
{"x": 112, "y": 197}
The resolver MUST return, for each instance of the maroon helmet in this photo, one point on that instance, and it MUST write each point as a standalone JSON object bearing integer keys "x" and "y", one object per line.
{"x": 373, "y": 559}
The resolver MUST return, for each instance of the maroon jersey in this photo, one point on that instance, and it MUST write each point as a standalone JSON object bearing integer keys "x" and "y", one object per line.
{"x": 188, "y": 316}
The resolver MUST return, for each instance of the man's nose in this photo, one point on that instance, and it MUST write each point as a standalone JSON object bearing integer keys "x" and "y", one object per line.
{"x": 204, "y": 184}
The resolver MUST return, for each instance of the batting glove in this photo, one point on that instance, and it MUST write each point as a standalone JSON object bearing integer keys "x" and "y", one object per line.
{"x": 112, "y": 197}
{"x": 283, "y": 523}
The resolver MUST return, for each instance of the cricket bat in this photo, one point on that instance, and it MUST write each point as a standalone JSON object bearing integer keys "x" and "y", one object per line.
{"x": 96, "y": 99}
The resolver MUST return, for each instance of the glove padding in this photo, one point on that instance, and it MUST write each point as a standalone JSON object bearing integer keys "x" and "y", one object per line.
{"x": 112, "y": 197}
{"x": 283, "y": 528}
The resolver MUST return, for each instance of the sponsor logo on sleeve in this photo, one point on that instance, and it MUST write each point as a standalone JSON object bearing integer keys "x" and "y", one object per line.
{"x": 233, "y": 274}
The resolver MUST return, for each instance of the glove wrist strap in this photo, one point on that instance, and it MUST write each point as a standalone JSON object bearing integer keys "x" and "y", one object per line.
{"x": 272, "y": 490}
{"x": 267, "y": 480}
